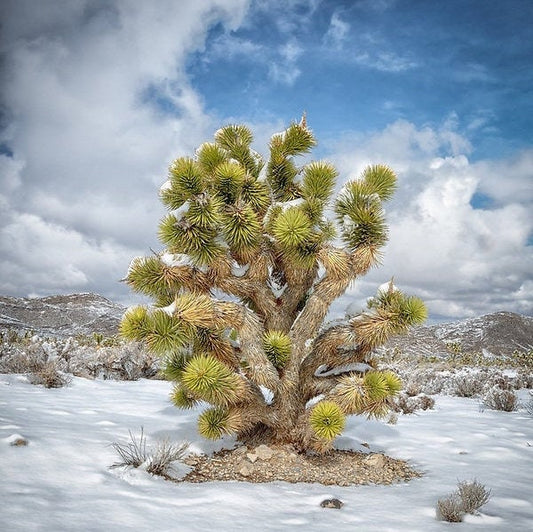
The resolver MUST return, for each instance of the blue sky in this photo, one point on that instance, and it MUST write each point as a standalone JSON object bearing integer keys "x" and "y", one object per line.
{"x": 98, "y": 97}
{"x": 361, "y": 65}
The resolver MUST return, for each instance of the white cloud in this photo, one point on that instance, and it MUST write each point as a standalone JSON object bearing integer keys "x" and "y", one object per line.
{"x": 337, "y": 31}
{"x": 50, "y": 258}
{"x": 463, "y": 261}
{"x": 90, "y": 142}
{"x": 284, "y": 69}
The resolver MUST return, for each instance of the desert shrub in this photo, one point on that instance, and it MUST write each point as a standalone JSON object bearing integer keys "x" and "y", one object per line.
{"x": 499, "y": 380}
{"x": 164, "y": 454}
{"x": 467, "y": 499}
{"x": 409, "y": 404}
{"x": 468, "y": 385}
{"x": 17, "y": 358}
{"x": 412, "y": 388}
{"x": 524, "y": 379}
{"x": 426, "y": 380}
{"x": 157, "y": 460}
{"x": 30, "y": 356}
{"x": 450, "y": 509}
{"x": 473, "y": 495}
{"x": 501, "y": 399}
{"x": 133, "y": 453}
{"x": 49, "y": 376}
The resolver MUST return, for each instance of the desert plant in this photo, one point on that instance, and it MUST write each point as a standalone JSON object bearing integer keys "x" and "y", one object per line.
{"x": 157, "y": 460}
{"x": 407, "y": 404}
{"x": 473, "y": 495}
{"x": 255, "y": 234}
{"x": 49, "y": 376}
{"x": 164, "y": 455}
{"x": 468, "y": 385}
{"x": 133, "y": 453}
{"x": 501, "y": 399}
{"x": 450, "y": 509}
{"x": 467, "y": 499}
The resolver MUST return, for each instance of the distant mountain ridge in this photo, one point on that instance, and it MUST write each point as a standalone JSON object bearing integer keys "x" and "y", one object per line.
{"x": 499, "y": 333}
{"x": 70, "y": 315}
{"x": 67, "y": 315}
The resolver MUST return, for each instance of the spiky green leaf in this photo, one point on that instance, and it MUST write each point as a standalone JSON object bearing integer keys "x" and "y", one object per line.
{"x": 182, "y": 398}
{"x": 212, "y": 381}
{"x": 149, "y": 276}
{"x": 278, "y": 348}
{"x": 167, "y": 333}
{"x": 319, "y": 180}
{"x": 241, "y": 227}
{"x": 213, "y": 423}
{"x": 174, "y": 364}
{"x": 381, "y": 180}
{"x": 291, "y": 228}
{"x": 229, "y": 178}
{"x": 186, "y": 176}
{"x": 327, "y": 420}
{"x": 210, "y": 156}
{"x": 135, "y": 324}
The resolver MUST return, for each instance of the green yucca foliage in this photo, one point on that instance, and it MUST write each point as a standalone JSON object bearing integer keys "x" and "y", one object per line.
{"x": 182, "y": 398}
{"x": 174, "y": 364}
{"x": 213, "y": 423}
{"x": 210, "y": 380}
{"x": 252, "y": 262}
{"x": 327, "y": 420}
{"x": 277, "y": 346}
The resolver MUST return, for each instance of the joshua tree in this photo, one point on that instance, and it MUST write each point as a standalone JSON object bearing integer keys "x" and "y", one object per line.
{"x": 250, "y": 269}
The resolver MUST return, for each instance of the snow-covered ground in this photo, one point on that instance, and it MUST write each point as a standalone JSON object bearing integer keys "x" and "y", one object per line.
{"x": 61, "y": 480}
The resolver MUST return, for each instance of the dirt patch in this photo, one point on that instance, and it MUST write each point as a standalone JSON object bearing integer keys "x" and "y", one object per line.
{"x": 268, "y": 464}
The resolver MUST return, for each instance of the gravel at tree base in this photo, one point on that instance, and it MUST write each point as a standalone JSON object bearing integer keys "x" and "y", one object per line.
{"x": 268, "y": 464}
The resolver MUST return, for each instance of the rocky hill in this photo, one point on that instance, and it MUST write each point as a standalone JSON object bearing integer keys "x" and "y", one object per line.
{"x": 71, "y": 315}
{"x": 60, "y": 316}
{"x": 499, "y": 333}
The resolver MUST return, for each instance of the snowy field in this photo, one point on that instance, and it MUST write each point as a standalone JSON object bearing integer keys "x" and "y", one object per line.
{"x": 61, "y": 480}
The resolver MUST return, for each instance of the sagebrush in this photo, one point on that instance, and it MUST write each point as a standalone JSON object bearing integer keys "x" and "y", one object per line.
{"x": 157, "y": 460}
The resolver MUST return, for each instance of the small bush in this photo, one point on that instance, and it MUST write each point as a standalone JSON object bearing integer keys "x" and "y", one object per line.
{"x": 156, "y": 461}
{"x": 132, "y": 454}
{"x": 473, "y": 496}
{"x": 468, "y": 385}
{"x": 468, "y": 499}
{"x": 405, "y": 404}
{"x": 49, "y": 376}
{"x": 164, "y": 454}
{"x": 499, "y": 399}
{"x": 450, "y": 509}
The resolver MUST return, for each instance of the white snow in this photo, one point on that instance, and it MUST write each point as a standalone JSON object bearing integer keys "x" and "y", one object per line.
{"x": 181, "y": 210}
{"x": 176, "y": 260}
{"x": 239, "y": 270}
{"x": 386, "y": 287}
{"x": 61, "y": 480}
{"x": 167, "y": 185}
{"x": 322, "y": 371}
{"x": 276, "y": 289}
{"x": 170, "y": 309}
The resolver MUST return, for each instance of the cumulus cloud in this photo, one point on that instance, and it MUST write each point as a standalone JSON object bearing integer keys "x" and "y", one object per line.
{"x": 464, "y": 261}
{"x": 98, "y": 105}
